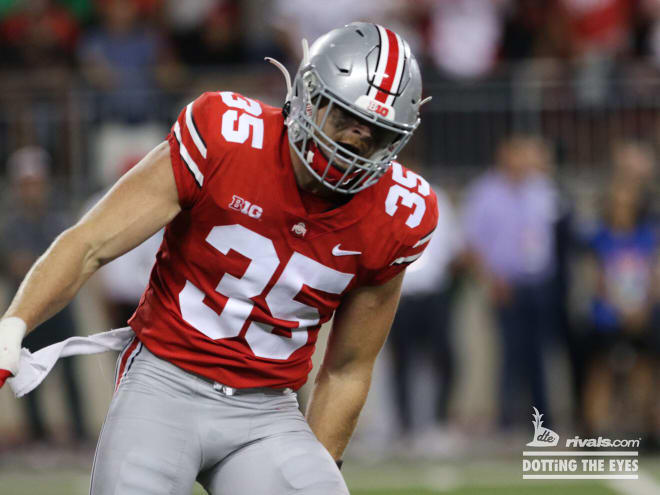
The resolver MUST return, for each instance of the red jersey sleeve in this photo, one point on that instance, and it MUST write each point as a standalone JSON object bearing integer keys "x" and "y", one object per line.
{"x": 192, "y": 146}
{"x": 413, "y": 206}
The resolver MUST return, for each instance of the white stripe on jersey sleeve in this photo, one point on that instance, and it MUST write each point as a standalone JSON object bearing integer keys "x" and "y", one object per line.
{"x": 190, "y": 124}
{"x": 190, "y": 163}
{"x": 406, "y": 259}
{"x": 423, "y": 240}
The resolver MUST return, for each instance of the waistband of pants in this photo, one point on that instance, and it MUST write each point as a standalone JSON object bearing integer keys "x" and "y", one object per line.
{"x": 229, "y": 391}
{"x": 221, "y": 387}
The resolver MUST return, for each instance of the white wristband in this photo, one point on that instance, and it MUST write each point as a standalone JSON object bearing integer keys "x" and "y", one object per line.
{"x": 12, "y": 331}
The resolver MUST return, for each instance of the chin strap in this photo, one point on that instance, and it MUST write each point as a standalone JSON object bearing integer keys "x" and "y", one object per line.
{"x": 425, "y": 100}
{"x": 320, "y": 164}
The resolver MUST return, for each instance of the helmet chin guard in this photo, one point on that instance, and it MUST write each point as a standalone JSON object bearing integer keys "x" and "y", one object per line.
{"x": 367, "y": 71}
{"x": 321, "y": 165}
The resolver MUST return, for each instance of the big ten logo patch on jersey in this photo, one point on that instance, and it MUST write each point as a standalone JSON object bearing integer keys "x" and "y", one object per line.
{"x": 244, "y": 206}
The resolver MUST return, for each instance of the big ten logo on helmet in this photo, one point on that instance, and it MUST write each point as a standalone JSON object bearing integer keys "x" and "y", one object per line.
{"x": 244, "y": 206}
{"x": 376, "y": 107}
{"x": 379, "y": 108}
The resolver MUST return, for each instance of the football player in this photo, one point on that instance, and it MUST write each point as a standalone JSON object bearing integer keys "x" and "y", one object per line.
{"x": 276, "y": 220}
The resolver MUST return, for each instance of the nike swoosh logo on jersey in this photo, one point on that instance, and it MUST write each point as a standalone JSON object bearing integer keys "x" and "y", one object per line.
{"x": 341, "y": 252}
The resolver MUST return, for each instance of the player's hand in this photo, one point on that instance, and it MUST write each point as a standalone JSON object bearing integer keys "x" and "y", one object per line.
{"x": 12, "y": 331}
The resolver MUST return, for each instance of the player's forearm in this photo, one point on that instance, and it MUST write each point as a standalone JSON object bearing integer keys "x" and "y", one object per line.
{"x": 335, "y": 406}
{"x": 54, "y": 279}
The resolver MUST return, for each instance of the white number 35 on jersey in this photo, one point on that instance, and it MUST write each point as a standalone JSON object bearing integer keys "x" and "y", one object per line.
{"x": 402, "y": 191}
{"x": 264, "y": 262}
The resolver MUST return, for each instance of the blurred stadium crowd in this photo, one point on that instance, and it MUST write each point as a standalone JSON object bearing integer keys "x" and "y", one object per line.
{"x": 542, "y": 141}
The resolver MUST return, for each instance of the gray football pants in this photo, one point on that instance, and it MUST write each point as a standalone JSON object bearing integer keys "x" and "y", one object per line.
{"x": 167, "y": 428}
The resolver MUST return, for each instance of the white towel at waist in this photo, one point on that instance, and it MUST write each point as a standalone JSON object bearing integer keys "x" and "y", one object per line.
{"x": 33, "y": 368}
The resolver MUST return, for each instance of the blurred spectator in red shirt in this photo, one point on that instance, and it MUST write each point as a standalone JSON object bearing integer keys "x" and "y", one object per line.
{"x": 567, "y": 28}
{"x": 39, "y": 33}
{"x": 37, "y": 49}
{"x": 206, "y": 32}
{"x": 598, "y": 26}
{"x": 535, "y": 29}
{"x": 599, "y": 32}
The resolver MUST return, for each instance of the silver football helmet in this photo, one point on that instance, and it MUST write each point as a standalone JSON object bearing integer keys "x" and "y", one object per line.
{"x": 367, "y": 72}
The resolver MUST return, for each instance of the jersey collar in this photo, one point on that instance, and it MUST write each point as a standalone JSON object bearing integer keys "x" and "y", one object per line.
{"x": 333, "y": 219}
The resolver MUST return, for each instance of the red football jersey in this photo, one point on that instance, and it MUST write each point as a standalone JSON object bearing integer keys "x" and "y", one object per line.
{"x": 245, "y": 276}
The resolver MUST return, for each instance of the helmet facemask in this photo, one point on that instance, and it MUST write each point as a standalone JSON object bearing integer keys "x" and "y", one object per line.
{"x": 339, "y": 166}
{"x": 365, "y": 73}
